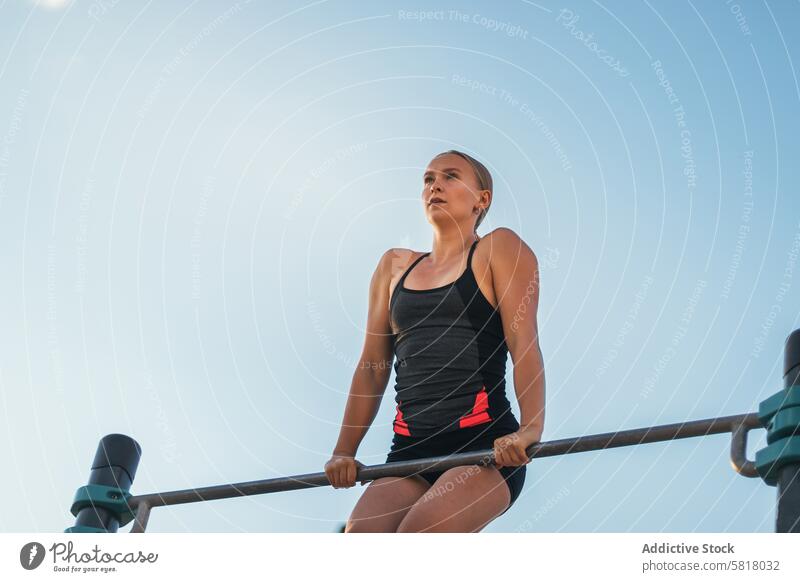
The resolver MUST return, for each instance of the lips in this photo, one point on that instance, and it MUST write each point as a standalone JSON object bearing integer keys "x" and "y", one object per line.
{"x": 436, "y": 200}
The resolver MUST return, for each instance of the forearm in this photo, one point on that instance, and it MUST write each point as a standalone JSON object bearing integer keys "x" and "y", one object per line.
{"x": 363, "y": 402}
{"x": 529, "y": 385}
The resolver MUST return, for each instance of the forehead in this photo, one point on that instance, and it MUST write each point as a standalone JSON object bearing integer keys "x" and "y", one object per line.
{"x": 448, "y": 161}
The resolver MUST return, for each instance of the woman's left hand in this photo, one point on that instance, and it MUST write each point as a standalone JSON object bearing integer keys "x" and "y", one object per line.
{"x": 509, "y": 450}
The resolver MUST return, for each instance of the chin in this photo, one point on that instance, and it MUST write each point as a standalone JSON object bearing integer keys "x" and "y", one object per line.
{"x": 439, "y": 218}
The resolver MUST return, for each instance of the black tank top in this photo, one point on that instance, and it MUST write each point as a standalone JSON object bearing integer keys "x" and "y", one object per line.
{"x": 450, "y": 353}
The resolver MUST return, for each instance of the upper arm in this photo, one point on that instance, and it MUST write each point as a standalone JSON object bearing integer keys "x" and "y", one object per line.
{"x": 515, "y": 277}
{"x": 377, "y": 352}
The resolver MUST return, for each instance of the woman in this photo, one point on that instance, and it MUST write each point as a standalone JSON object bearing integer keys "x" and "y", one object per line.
{"x": 450, "y": 317}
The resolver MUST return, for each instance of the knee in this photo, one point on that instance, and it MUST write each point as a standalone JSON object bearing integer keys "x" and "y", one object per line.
{"x": 410, "y": 526}
{"x": 368, "y": 526}
{"x": 423, "y": 521}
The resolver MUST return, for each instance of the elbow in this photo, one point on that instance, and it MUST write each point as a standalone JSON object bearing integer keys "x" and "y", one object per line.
{"x": 525, "y": 347}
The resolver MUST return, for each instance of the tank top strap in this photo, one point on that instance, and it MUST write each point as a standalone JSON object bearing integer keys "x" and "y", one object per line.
{"x": 471, "y": 252}
{"x": 414, "y": 264}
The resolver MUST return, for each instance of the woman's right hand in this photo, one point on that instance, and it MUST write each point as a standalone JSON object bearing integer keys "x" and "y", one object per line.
{"x": 341, "y": 470}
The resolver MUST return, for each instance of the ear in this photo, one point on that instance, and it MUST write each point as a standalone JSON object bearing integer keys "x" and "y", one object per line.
{"x": 486, "y": 195}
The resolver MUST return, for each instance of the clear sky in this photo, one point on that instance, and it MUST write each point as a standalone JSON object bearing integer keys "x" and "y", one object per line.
{"x": 193, "y": 197}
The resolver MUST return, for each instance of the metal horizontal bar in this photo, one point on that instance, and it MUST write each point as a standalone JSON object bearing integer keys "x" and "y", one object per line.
{"x": 581, "y": 444}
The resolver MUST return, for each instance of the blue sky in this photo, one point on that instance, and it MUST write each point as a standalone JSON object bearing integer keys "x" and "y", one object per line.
{"x": 193, "y": 197}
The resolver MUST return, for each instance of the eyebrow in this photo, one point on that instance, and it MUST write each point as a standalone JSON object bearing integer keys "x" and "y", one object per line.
{"x": 426, "y": 174}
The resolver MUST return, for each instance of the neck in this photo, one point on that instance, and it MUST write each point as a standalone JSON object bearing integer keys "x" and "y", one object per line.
{"x": 451, "y": 244}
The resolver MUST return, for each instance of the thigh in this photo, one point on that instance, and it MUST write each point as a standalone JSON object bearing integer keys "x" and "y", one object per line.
{"x": 384, "y": 504}
{"x": 463, "y": 499}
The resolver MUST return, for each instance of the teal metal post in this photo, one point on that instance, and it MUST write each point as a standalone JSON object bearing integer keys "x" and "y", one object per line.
{"x": 779, "y": 463}
{"x": 102, "y": 505}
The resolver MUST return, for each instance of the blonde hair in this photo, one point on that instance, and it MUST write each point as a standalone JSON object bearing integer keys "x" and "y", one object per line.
{"x": 481, "y": 173}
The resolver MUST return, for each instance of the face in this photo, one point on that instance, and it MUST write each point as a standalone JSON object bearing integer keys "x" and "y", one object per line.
{"x": 451, "y": 191}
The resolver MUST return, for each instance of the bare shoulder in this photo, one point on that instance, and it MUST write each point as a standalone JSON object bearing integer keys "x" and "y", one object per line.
{"x": 396, "y": 260}
{"x": 507, "y": 246}
{"x": 393, "y": 264}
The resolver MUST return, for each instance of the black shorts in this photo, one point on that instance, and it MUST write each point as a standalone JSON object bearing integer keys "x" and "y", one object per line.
{"x": 463, "y": 440}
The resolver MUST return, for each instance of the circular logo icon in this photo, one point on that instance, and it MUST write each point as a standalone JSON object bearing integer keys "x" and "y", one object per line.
{"x": 31, "y": 555}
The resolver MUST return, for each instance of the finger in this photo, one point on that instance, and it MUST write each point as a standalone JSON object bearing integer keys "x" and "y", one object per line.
{"x": 331, "y": 474}
{"x": 510, "y": 458}
{"x": 509, "y": 453}
{"x": 512, "y": 455}
{"x": 499, "y": 457}
{"x": 520, "y": 456}
{"x": 351, "y": 474}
